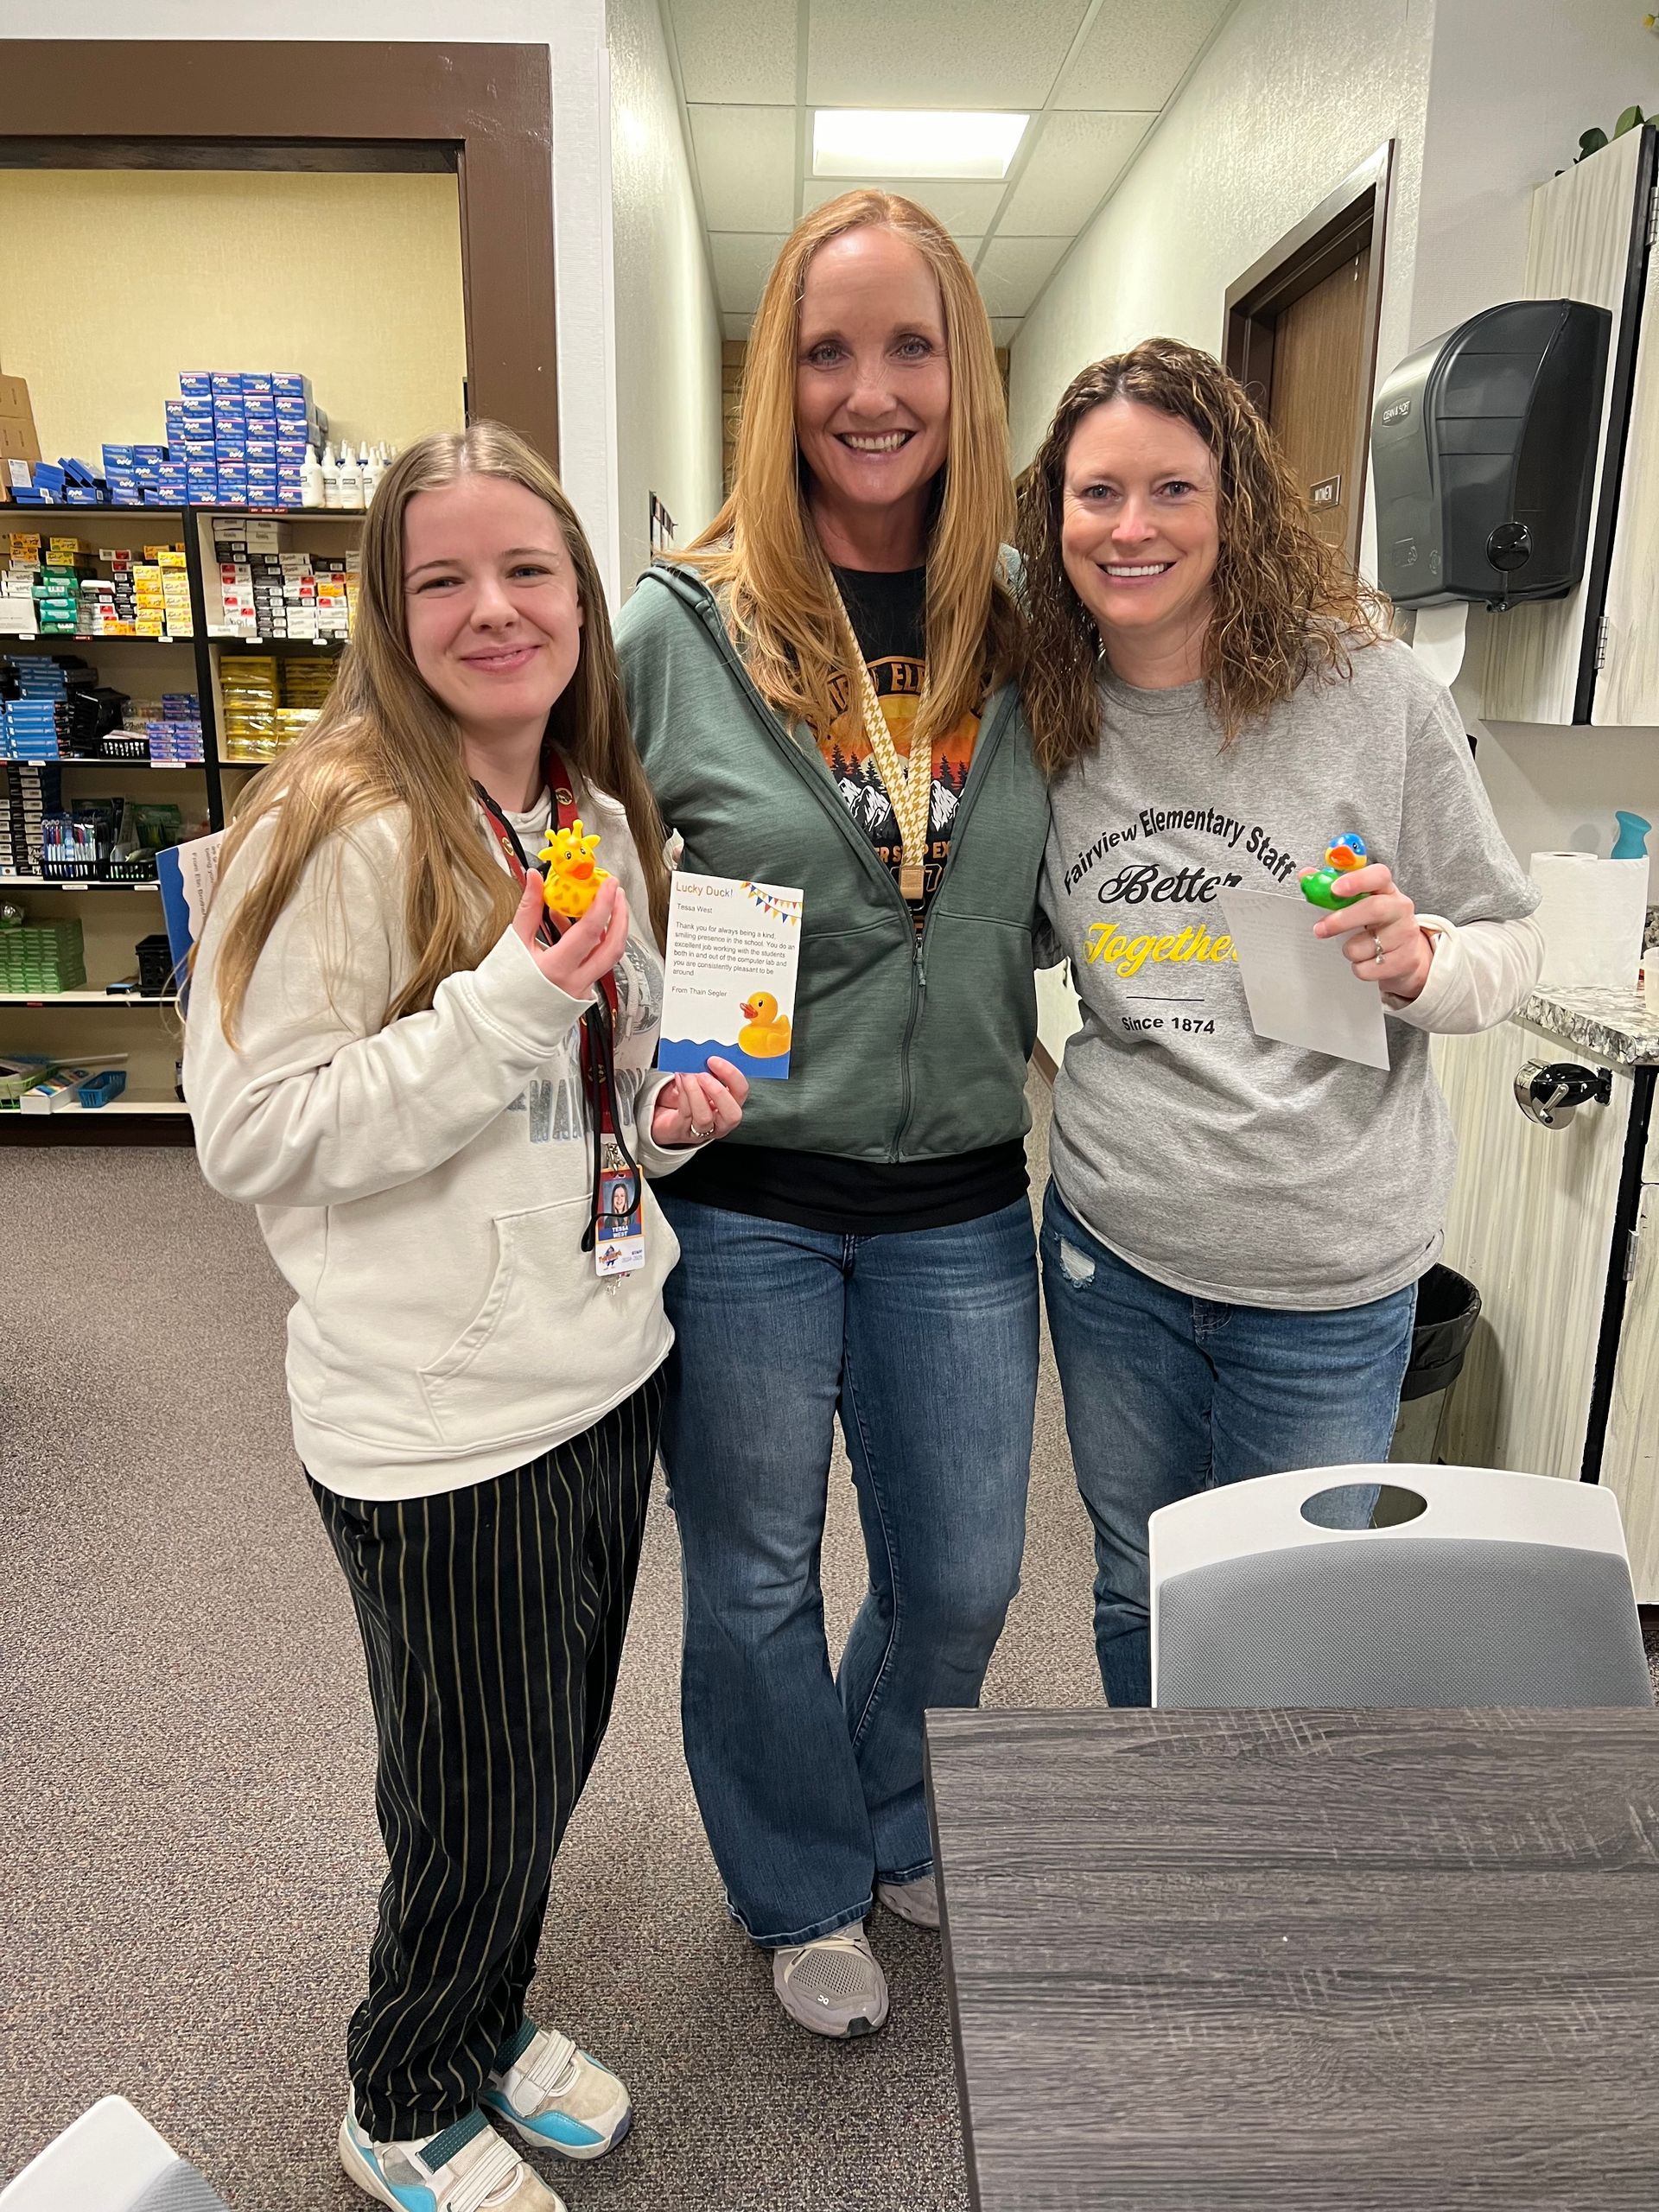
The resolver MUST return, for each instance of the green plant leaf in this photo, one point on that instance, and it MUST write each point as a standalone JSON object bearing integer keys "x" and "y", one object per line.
{"x": 1592, "y": 143}
{"x": 1629, "y": 121}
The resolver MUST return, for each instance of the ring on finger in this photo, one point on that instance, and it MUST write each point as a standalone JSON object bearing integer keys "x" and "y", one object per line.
{"x": 701, "y": 1136}
{"x": 1377, "y": 953}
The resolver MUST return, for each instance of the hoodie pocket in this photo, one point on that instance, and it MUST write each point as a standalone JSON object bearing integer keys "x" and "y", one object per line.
{"x": 504, "y": 1375}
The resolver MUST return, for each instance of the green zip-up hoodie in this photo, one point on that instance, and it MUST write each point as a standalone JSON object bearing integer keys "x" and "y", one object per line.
{"x": 904, "y": 1048}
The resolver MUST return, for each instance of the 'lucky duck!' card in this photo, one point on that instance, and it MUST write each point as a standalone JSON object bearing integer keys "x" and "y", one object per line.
{"x": 733, "y": 948}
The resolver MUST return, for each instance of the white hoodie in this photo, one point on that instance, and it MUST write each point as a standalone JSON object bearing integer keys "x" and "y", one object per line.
{"x": 425, "y": 1185}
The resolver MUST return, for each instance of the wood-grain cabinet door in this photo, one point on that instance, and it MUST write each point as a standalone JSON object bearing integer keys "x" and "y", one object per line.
{"x": 1531, "y": 1225}
{"x": 1630, "y": 1465}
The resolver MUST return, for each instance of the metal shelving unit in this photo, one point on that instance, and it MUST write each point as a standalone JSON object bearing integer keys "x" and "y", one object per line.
{"x": 185, "y": 523}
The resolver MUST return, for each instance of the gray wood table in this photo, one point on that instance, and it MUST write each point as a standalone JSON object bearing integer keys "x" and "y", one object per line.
{"x": 1209, "y": 1961}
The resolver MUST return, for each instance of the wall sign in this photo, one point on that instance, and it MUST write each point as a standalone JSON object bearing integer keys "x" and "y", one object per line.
{"x": 1327, "y": 493}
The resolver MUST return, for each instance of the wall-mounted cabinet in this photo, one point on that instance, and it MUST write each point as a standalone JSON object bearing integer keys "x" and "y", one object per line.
{"x": 1594, "y": 655}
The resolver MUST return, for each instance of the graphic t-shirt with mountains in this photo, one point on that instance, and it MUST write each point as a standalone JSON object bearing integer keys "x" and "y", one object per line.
{"x": 888, "y": 614}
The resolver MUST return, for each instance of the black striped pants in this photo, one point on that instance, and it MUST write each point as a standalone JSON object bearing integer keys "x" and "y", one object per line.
{"x": 492, "y": 1620}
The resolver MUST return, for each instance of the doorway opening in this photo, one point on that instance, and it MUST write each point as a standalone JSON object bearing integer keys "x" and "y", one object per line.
{"x": 1301, "y": 338}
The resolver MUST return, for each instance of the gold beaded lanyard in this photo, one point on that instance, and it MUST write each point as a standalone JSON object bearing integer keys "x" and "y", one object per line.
{"x": 910, "y": 789}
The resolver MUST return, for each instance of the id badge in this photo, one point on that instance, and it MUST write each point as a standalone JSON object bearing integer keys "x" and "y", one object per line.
{"x": 620, "y": 1235}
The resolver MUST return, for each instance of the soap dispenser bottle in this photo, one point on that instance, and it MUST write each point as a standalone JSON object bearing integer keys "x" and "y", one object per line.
{"x": 330, "y": 478}
{"x": 312, "y": 491}
{"x": 1632, "y": 843}
{"x": 351, "y": 479}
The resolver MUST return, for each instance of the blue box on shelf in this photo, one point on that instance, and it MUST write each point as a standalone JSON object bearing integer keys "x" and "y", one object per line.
{"x": 261, "y": 449}
{"x": 226, "y": 383}
{"x": 83, "y": 495}
{"x": 119, "y": 457}
{"x": 290, "y": 408}
{"x": 195, "y": 384}
{"x": 289, "y": 385}
{"x": 228, "y": 447}
{"x": 155, "y": 455}
{"x": 202, "y": 450}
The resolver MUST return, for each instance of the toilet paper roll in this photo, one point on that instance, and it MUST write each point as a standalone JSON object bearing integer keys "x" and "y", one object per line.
{"x": 1438, "y": 639}
{"x": 1591, "y": 917}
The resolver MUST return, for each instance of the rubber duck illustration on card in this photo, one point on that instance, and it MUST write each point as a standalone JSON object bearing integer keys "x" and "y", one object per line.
{"x": 765, "y": 1033}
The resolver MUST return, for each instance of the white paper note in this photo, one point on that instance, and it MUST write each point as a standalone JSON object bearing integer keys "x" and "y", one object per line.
{"x": 729, "y": 989}
{"x": 1302, "y": 989}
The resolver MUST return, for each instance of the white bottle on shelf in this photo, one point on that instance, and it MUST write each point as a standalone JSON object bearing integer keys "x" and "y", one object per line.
{"x": 373, "y": 469}
{"x": 311, "y": 483}
{"x": 330, "y": 479}
{"x": 351, "y": 478}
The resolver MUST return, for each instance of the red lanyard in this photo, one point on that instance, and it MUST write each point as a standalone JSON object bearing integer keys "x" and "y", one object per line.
{"x": 598, "y": 1076}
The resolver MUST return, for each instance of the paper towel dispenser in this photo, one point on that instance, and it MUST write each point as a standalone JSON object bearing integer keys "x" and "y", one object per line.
{"x": 1484, "y": 449}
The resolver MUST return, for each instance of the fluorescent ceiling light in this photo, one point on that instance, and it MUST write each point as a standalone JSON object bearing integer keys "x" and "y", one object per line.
{"x": 926, "y": 142}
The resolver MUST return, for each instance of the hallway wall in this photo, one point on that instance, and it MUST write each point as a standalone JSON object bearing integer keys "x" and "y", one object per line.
{"x": 668, "y": 357}
{"x": 1290, "y": 97}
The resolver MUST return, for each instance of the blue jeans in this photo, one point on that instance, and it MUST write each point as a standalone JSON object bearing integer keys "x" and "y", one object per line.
{"x": 1167, "y": 1395}
{"x": 925, "y": 1343}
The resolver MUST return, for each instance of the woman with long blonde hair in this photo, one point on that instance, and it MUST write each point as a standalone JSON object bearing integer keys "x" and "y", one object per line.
{"x": 436, "y": 1100}
{"x": 821, "y": 692}
{"x": 1236, "y": 1228}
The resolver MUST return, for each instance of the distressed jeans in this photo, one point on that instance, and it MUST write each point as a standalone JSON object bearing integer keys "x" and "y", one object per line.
{"x": 1167, "y": 1395}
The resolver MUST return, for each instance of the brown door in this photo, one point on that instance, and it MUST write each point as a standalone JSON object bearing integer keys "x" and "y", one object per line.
{"x": 1320, "y": 379}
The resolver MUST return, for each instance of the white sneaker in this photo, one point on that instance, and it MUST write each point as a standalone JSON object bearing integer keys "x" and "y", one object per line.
{"x": 834, "y": 1987}
{"x": 558, "y": 2099}
{"x": 916, "y": 1902}
{"x": 467, "y": 2168}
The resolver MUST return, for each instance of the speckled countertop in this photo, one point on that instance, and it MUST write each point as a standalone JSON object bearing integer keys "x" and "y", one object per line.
{"x": 1614, "y": 1026}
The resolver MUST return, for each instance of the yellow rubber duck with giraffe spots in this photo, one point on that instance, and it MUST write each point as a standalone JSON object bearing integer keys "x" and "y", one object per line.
{"x": 572, "y": 875}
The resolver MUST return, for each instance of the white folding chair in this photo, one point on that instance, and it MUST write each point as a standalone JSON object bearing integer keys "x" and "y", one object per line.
{"x": 1505, "y": 1589}
{"x": 110, "y": 2160}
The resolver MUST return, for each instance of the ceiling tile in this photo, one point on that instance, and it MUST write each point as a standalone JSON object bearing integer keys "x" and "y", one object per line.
{"x": 938, "y": 52}
{"x": 1138, "y": 52}
{"x": 746, "y": 162}
{"x": 1077, "y": 160}
{"x": 1014, "y": 270}
{"x": 742, "y": 263}
{"x": 965, "y": 206}
{"x": 736, "y": 326}
{"x": 736, "y": 49}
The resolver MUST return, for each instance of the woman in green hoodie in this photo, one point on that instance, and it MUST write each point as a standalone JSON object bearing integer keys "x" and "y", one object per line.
{"x": 865, "y": 1247}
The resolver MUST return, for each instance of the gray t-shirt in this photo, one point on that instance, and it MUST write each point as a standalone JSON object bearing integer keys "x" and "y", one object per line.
{"x": 1216, "y": 1161}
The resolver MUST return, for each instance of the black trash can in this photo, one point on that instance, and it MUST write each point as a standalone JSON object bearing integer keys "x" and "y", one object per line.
{"x": 1449, "y": 1307}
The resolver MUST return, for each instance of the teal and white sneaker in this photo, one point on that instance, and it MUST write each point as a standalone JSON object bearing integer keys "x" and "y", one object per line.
{"x": 467, "y": 2168}
{"x": 556, "y": 2097}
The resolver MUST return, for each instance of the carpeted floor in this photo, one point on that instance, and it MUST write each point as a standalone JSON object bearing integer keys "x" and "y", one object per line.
{"x": 188, "y": 1858}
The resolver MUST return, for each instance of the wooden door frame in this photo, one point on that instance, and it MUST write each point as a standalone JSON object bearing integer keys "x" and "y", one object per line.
{"x": 1345, "y": 221}
{"x": 483, "y": 111}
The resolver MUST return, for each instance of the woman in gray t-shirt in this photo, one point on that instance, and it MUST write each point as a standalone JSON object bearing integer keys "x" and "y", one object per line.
{"x": 1236, "y": 1228}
